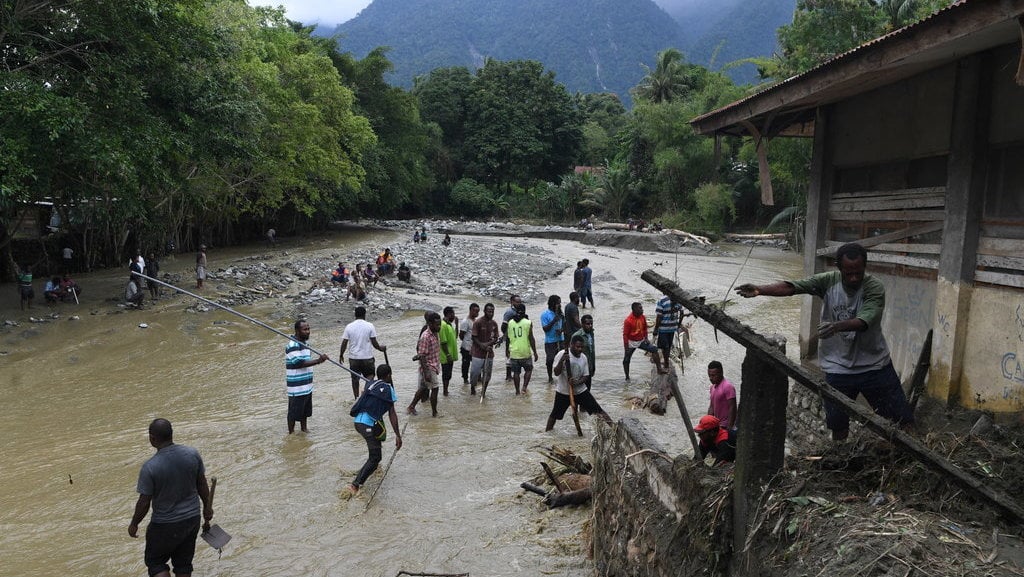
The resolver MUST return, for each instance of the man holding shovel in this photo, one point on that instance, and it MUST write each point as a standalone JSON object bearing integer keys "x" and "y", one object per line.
{"x": 170, "y": 481}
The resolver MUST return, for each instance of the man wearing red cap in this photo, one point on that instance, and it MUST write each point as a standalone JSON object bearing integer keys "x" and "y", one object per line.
{"x": 715, "y": 440}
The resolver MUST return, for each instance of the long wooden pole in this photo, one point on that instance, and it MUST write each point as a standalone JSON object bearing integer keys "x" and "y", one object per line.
{"x": 572, "y": 395}
{"x": 1006, "y": 505}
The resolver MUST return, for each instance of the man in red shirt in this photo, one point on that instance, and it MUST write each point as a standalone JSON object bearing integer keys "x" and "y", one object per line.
{"x": 634, "y": 336}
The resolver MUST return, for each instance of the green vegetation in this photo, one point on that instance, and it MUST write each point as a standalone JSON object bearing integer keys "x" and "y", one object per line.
{"x": 147, "y": 122}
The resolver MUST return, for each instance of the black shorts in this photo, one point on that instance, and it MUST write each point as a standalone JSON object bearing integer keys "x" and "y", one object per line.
{"x": 365, "y": 367}
{"x": 446, "y": 371}
{"x": 584, "y": 401}
{"x": 665, "y": 340}
{"x": 26, "y": 293}
{"x": 300, "y": 407}
{"x": 174, "y": 542}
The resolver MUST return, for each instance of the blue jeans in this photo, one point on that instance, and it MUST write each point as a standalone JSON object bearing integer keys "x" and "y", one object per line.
{"x": 882, "y": 390}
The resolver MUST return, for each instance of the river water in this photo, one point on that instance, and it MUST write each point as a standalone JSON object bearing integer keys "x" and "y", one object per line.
{"x": 76, "y": 398}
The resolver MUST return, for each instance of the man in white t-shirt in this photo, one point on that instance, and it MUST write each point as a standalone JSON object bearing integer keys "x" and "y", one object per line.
{"x": 576, "y": 377}
{"x": 466, "y": 340}
{"x": 363, "y": 338}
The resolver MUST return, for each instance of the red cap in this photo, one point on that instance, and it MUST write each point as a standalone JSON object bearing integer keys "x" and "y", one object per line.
{"x": 707, "y": 423}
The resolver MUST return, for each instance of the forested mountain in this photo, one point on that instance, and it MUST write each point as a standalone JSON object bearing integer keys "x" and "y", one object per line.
{"x": 591, "y": 45}
{"x": 718, "y": 32}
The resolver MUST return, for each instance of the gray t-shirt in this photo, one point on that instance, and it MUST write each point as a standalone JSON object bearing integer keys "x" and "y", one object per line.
{"x": 170, "y": 477}
{"x": 851, "y": 352}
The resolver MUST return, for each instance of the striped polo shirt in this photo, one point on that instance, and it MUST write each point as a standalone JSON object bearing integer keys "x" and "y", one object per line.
{"x": 669, "y": 312}
{"x": 298, "y": 378}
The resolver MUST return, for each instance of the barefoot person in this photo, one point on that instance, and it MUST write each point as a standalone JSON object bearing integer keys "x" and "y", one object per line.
{"x": 200, "y": 266}
{"x": 485, "y": 338}
{"x": 520, "y": 345}
{"x": 449, "y": 346}
{"x": 466, "y": 340}
{"x": 378, "y": 399}
{"x": 428, "y": 350}
{"x": 173, "y": 483}
{"x": 851, "y": 349}
{"x": 551, "y": 322}
{"x": 634, "y": 336}
{"x": 299, "y": 363}
{"x": 573, "y": 374}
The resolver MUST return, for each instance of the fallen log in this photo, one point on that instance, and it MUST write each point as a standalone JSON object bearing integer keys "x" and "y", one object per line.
{"x": 580, "y": 497}
{"x": 744, "y": 335}
{"x": 662, "y": 386}
{"x": 766, "y": 236}
{"x": 533, "y": 489}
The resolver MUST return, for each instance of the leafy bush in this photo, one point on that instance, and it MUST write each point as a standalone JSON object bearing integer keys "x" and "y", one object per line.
{"x": 470, "y": 198}
{"x": 715, "y": 205}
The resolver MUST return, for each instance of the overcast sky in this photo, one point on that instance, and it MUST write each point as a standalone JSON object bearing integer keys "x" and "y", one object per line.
{"x": 326, "y": 12}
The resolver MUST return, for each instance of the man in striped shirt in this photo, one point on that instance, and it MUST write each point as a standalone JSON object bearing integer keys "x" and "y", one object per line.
{"x": 666, "y": 324}
{"x": 298, "y": 364}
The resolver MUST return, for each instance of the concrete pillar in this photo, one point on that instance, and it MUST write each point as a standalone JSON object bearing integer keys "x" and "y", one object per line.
{"x": 819, "y": 196}
{"x": 965, "y": 195}
{"x": 761, "y": 442}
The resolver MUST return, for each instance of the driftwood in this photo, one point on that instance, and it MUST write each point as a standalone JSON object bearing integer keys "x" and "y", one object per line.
{"x": 745, "y": 336}
{"x": 551, "y": 476}
{"x": 570, "y": 498}
{"x": 767, "y": 236}
{"x": 924, "y": 361}
{"x": 571, "y": 461}
{"x": 661, "y": 390}
{"x": 533, "y": 488}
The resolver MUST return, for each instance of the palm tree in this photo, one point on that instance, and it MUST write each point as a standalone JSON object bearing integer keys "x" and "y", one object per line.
{"x": 899, "y": 12}
{"x": 667, "y": 81}
{"x": 614, "y": 191}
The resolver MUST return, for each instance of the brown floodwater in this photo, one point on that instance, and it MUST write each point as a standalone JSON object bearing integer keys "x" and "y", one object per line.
{"x": 76, "y": 397}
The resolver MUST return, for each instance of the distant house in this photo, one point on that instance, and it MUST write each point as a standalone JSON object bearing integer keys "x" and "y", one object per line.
{"x": 919, "y": 155}
{"x": 591, "y": 170}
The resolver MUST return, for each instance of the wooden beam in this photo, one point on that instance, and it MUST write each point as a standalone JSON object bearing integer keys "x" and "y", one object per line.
{"x": 887, "y": 215}
{"x": 1006, "y": 262}
{"x": 747, "y": 337}
{"x": 1000, "y": 246}
{"x": 871, "y": 241}
{"x": 999, "y": 278}
{"x": 901, "y": 193}
{"x": 888, "y": 203}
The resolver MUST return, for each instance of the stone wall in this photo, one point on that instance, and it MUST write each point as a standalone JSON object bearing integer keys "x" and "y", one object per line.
{"x": 654, "y": 515}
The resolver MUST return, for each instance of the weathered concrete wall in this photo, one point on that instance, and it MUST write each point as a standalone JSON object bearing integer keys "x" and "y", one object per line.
{"x": 655, "y": 517}
{"x": 993, "y": 368}
{"x": 909, "y": 313}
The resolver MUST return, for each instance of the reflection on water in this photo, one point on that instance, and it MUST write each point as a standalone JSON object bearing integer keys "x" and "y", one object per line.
{"x": 76, "y": 398}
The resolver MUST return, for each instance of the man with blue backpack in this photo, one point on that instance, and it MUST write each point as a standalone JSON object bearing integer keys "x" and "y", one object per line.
{"x": 378, "y": 398}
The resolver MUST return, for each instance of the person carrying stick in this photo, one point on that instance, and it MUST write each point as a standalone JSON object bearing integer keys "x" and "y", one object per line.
{"x": 377, "y": 399}
{"x": 572, "y": 368}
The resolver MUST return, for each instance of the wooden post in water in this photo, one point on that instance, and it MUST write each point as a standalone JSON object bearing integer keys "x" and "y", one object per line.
{"x": 761, "y": 440}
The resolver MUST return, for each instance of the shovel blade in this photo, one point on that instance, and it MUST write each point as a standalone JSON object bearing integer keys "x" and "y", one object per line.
{"x": 216, "y": 537}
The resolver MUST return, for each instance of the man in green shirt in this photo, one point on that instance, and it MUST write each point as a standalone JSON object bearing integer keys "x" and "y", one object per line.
{"x": 25, "y": 287}
{"x": 520, "y": 345}
{"x": 852, "y": 351}
{"x": 449, "y": 346}
{"x": 587, "y": 334}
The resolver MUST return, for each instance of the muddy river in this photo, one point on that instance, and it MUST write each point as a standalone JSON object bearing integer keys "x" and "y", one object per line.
{"x": 76, "y": 397}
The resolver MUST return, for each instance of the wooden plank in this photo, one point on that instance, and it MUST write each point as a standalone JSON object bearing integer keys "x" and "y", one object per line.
{"x": 747, "y": 337}
{"x": 922, "y": 248}
{"x": 871, "y": 241}
{"x": 1007, "y": 262}
{"x": 899, "y": 193}
{"x": 919, "y": 262}
{"x": 999, "y": 278}
{"x": 888, "y": 215}
{"x": 1000, "y": 246}
{"x": 888, "y": 203}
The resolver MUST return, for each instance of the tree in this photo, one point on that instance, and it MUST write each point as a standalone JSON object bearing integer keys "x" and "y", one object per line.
{"x": 615, "y": 191}
{"x": 671, "y": 78}
{"x": 521, "y": 126}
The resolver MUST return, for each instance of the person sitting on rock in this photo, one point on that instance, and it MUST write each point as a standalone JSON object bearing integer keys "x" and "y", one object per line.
{"x": 370, "y": 276}
{"x": 52, "y": 290}
{"x": 355, "y": 288}
{"x": 715, "y": 440}
{"x": 340, "y": 275}
{"x": 404, "y": 273}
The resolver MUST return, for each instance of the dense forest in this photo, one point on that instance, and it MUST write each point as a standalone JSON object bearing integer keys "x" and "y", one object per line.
{"x": 147, "y": 124}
